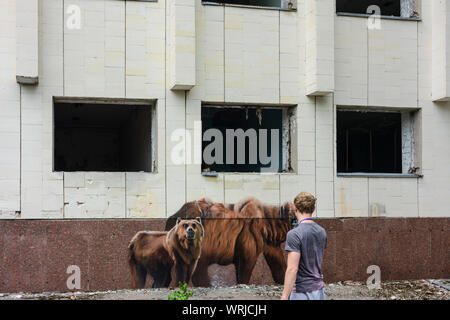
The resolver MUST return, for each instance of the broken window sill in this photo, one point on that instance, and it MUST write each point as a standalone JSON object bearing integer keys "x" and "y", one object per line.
{"x": 365, "y": 15}
{"x": 207, "y": 3}
{"x": 377, "y": 175}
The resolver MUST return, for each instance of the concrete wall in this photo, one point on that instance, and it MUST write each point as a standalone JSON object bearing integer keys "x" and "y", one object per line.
{"x": 242, "y": 55}
{"x": 10, "y": 114}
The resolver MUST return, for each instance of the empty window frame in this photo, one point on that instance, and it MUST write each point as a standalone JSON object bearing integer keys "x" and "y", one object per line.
{"x": 102, "y": 136}
{"x": 281, "y": 4}
{"x": 376, "y": 142}
{"x": 246, "y": 139}
{"x": 396, "y": 8}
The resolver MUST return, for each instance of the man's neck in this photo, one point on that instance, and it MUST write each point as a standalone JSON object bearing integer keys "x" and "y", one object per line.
{"x": 303, "y": 216}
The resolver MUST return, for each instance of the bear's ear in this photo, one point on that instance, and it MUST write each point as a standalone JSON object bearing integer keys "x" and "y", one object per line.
{"x": 199, "y": 220}
{"x": 201, "y": 227}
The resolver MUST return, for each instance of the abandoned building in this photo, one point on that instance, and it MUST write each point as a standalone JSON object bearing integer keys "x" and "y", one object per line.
{"x": 92, "y": 91}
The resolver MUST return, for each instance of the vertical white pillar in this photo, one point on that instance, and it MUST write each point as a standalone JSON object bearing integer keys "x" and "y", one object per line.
{"x": 27, "y": 45}
{"x": 182, "y": 44}
{"x": 440, "y": 50}
{"x": 319, "y": 47}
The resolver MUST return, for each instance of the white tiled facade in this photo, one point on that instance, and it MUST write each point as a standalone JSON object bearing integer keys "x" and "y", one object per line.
{"x": 182, "y": 53}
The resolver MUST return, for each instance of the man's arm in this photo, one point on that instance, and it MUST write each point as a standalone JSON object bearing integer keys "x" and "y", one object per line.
{"x": 293, "y": 259}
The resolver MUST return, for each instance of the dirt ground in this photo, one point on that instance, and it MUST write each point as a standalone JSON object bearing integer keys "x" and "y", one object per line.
{"x": 347, "y": 290}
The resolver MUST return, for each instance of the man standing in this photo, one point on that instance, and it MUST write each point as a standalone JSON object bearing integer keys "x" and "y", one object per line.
{"x": 305, "y": 245}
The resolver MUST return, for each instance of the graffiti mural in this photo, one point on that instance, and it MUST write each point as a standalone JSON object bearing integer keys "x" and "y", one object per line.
{"x": 233, "y": 234}
{"x": 169, "y": 257}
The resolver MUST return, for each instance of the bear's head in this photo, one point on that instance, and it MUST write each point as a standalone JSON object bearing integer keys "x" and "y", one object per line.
{"x": 191, "y": 230}
{"x": 287, "y": 212}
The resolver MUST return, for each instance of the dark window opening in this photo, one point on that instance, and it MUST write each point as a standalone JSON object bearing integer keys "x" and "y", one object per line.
{"x": 387, "y": 7}
{"x": 274, "y": 120}
{"x": 102, "y": 137}
{"x": 369, "y": 142}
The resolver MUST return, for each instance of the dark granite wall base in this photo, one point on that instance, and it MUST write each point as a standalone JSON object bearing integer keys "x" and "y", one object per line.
{"x": 35, "y": 254}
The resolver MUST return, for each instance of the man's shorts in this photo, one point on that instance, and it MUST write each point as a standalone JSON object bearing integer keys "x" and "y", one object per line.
{"x": 313, "y": 295}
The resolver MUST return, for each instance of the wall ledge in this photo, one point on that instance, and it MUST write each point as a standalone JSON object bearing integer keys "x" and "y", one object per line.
{"x": 365, "y": 15}
{"x": 378, "y": 175}
{"x": 27, "y": 80}
{"x": 208, "y": 3}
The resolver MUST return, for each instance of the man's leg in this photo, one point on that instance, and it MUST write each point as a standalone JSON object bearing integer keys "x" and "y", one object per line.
{"x": 313, "y": 295}
{"x": 298, "y": 296}
{"x": 317, "y": 295}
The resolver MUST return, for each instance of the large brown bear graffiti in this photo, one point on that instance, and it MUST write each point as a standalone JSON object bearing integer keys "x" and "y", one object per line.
{"x": 237, "y": 234}
{"x": 169, "y": 257}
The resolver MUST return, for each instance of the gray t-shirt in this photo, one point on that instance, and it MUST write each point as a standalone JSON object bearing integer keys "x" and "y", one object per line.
{"x": 310, "y": 240}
